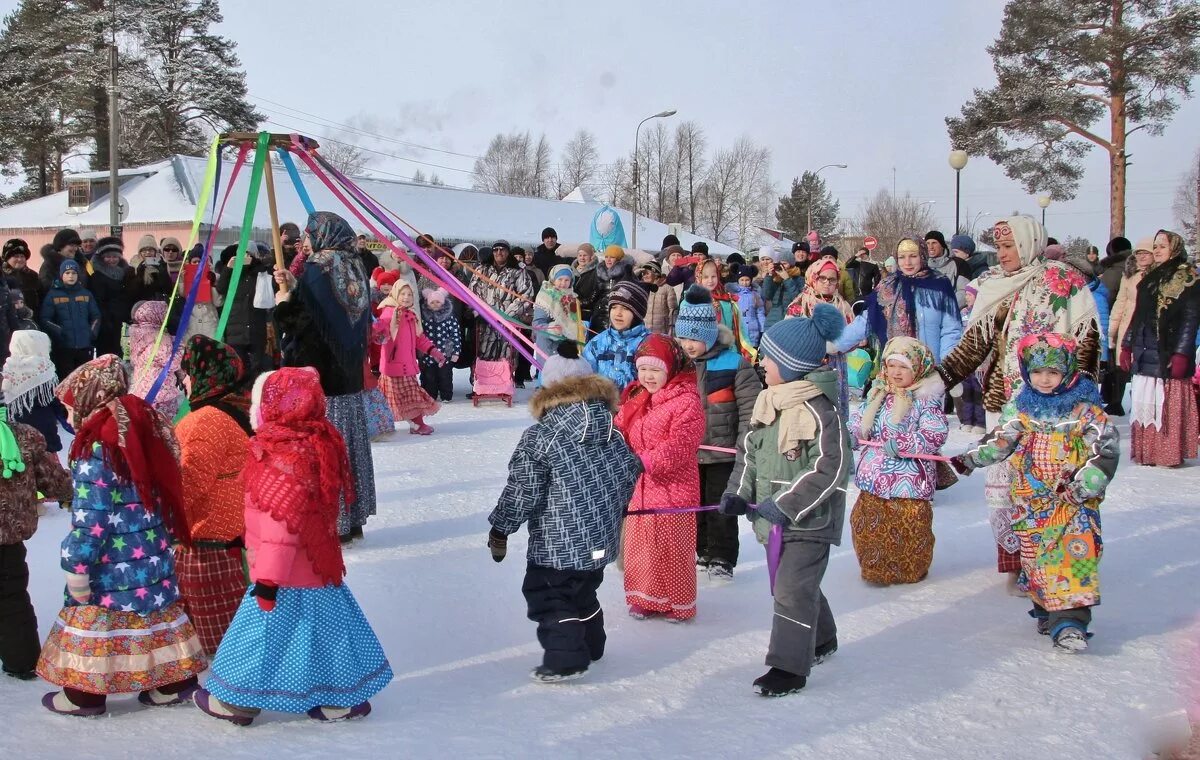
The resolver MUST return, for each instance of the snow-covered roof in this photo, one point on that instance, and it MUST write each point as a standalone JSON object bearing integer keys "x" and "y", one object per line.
{"x": 166, "y": 192}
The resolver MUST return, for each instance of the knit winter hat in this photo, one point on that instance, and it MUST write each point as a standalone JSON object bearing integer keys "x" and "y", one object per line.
{"x": 66, "y": 237}
{"x": 549, "y": 232}
{"x": 214, "y": 367}
{"x": 560, "y": 270}
{"x": 661, "y": 352}
{"x": 109, "y": 244}
{"x": 632, "y": 296}
{"x": 614, "y": 251}
{"x": 435, "y": 297}
{"x": 697, "y": 320}
{"x": 747, "y": 270}
{"x": 936, "y": 235}
{"x": 16, "y": 247}
{"x": 66, "y": 266}
{"x": 700, "y": 247}
{"x": 963, "y": 243}
{"x": 147, "y": 242}
{"x": 564, "y": 364}
{"x": 1054, "y": 252}
{"x": 171, "y": 242}
{"x": 799, "y": 346}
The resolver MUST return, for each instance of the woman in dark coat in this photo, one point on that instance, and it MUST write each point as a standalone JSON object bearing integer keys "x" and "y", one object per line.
{"x": 324, "y": 318}
{"x": 1159, "y": 350}
{"x": 246, "y": 330}
{"x": 111, "y": 285}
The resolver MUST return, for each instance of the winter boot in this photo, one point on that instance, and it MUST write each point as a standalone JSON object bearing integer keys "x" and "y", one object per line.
{"x": 159, "y": 698}
{"x": 212, "y": 706}
{"x": 1043, "y": 620}
{"x": 825, "y": 651}
{"x": 1070, "y": 638}
{"x": 333, "y": 714}
{"x": 639, "y": 613}
{"x": 719, "y": 573}
{"x": 58, "y": 702}
{"x": 779, "y": 683}
{"x": 417, "y": 426}
{"x": 543, "y": 674}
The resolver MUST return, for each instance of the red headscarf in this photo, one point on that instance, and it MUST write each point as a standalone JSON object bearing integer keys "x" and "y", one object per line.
{"x": 298, "y": 465}
{"x": 135, "y": 440}
{"x": 668, "y": 352}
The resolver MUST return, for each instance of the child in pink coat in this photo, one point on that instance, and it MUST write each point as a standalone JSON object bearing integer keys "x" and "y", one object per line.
{"x": 299, "y": 642}
{"x": 401, "y": 336}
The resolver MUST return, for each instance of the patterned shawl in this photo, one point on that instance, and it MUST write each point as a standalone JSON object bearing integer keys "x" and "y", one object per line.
{"x": 892, "y": 307}
{"x": 29, "y": 378}
{"x": 333, "y": 287}
{"x": 918, "y": 356}
{"x": 803, "y": 305}
{"x": 1164, "y": 283}
{"x": 217, "y": 375}
{"x": 298, "y": 466}
{"x": 135, "y": 441}
{"x": 1042, "y": 296}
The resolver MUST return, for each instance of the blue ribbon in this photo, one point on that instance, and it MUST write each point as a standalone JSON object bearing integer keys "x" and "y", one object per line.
{"x": 290, "y": 165}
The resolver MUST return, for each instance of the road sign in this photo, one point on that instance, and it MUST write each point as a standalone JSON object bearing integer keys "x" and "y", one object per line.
{"x": 870, "y": 243}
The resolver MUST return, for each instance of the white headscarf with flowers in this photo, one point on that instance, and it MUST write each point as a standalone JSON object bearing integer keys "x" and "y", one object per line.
{"x": 1041, "y": 297}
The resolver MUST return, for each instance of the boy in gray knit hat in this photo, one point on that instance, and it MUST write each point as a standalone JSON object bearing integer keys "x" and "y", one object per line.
{"x": 611, "y": 352}
{"x": 794, "y": 463}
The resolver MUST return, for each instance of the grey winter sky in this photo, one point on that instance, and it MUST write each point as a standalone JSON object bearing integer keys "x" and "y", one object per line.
{"x": 862, "y": 82}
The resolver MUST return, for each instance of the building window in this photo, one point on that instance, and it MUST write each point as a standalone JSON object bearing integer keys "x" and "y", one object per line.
{"x": 79, "y": 195}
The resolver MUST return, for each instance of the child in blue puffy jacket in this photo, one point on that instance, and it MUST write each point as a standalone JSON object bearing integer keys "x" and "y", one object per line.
{"x": 71, "y": 318}
{"x": 610, "y": 353}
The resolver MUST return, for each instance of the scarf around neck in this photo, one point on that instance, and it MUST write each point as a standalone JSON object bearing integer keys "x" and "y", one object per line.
{"x": 29, "y": 377}
{"x": 786, "y": 403}
{"x": 926, "y": 382}
{"x": 804, "y": 303}
{"x": 892, "y": 307}
{"x": 333, "y": 287}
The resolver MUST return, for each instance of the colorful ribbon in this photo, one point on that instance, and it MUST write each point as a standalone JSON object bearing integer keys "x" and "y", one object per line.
{"x": 260, "y": 157}
{"x": 290, "y": 165}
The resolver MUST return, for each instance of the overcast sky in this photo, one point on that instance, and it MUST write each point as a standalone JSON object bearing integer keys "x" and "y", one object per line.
{"x": 862, "y": 82}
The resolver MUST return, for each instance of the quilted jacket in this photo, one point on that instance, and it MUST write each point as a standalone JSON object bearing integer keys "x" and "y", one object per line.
{"x": 728, "y": 387}
{"x": 18, "y": 494}
{"x": 570, "y": 477}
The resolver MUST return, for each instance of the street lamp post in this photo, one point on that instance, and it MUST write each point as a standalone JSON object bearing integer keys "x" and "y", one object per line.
{"x": 636, "y": 183}
{"x": 958, "y": 162}
{"x": 1044, "y": 202}
{"x": 817, "y": 172}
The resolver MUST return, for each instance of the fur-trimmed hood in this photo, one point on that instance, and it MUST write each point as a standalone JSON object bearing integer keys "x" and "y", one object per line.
{"x": 930, "y": 388}
{"x": 574, "y": 390}
{"x": 724, "y": 341}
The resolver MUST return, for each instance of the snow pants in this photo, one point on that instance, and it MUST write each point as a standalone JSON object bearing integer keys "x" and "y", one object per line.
{"x": 803, "y": 620}
{"x": 438, "y": 381}
{"x": 716, "y": 534}
{"x": 1080, "y": 616}
{"x": 570, "y": 622}
{"x": 970, "y": 404}
{"x": 19, "y": 642}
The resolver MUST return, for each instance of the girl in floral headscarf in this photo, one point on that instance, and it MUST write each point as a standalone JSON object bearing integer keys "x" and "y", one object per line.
{"x": 902, "y": 416}
{"x": 325, "y": 318}
{"x": 821, "y": 286}
{"x": 299, "y": 642}
{"x": 1063, "y": 452}
{"x": 123, "y": 627}
{"x": 1023, "y": 295}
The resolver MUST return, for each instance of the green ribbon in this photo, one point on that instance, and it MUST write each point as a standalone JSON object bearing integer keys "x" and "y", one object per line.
{"x": 260, "y": 159}
{"x": 10, "y": 451}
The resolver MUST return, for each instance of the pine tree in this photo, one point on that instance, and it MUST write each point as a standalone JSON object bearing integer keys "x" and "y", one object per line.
{"x": 792, "y": 212}
{"x": 1064, "y": 65}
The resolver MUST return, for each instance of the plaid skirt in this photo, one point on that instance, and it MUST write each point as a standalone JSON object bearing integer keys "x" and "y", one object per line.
{"x": 101, "y": 651}
{"x": 212, "y": 583}
{"x": 348, "y": 414}
{"x": 407, "y": 398}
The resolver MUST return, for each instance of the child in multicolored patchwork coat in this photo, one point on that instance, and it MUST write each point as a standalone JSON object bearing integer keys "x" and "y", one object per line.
{"x": 1063, "y": 451}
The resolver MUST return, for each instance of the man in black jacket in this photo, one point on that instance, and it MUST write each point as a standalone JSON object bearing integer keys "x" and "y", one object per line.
{"x": 865, "y": 272}
{"x": 545, "y": 256}
{"x": 1112, "y": 267}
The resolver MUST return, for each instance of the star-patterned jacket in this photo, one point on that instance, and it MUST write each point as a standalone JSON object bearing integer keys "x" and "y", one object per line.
{"x": 123, "y": 548}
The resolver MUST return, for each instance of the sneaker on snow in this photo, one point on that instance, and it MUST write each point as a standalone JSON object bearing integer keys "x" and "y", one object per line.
{"x": 543, "y": 674}
{"x": 718, "y": 573}
{"x": 703, "y": 562}
{"x": 779, "y": 683}
{"x": 332, "y": 714}
{"x": 1071, "y": 640}
{"x": 210, "y": 705}
{"x": 825, "y": 651}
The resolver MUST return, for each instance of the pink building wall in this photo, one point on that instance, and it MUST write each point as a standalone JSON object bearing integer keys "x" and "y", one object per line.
{"x": 36, "y": 237}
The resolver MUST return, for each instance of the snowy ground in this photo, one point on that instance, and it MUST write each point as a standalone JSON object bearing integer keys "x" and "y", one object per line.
{"x": 948, "y": 668}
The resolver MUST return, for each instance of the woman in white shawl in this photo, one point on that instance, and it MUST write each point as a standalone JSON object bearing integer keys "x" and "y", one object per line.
{"x": 1024, "y": 295}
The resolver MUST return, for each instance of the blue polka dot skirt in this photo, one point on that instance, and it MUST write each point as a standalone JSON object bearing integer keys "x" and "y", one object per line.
{"x": 315, "y": 649}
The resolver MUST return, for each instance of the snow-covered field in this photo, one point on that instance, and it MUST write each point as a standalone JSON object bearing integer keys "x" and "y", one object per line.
{"x": 948, "y": 668}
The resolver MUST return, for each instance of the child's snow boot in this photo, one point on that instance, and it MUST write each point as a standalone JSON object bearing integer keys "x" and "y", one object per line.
{"x": 1043, "y": 620}
{"x": 418, "y": 427}
{"x": 544, "y": 674}
{"x": 59, "y": 702}
{"x": 211, "y": 705}
{"x": 719, "y": 573}
{"x": 639, "y": 613}
{"x": 779, "y": 683}
{"x": 1070, "y": 638}
{"x": 825, "y": 651}
{"x": 160, "y": 698}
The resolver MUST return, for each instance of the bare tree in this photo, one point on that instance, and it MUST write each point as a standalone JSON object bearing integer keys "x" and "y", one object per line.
{"x": 345, "y": 156}
{"x": 718, "y": 194}
{"x": 1187, "y": 203}
{"x": 579, "y": 164}
{"x": 689, "y": 175}
{"x": 888, "y": 218}
{"x": 617, "y": 184}
{"x": 658, "y": 177}
{"x": 435, "y": 180}
{"x": 419, "y": 177}
{"x": 513, "y": 164}
{"x": 755, "y": 198}
{"x": 539, "y": 171}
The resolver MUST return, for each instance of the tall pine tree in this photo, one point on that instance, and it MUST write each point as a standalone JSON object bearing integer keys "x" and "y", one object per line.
{"x": 792, "y": 213}
{"x": 1074, "y": 74}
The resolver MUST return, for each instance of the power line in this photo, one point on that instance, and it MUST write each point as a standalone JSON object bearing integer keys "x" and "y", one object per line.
{"x": 291, "y": 128}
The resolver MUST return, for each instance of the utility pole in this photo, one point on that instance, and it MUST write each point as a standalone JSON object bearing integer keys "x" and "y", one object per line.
{"x": 1196, "y": 230}
{"x": 114, "y": 194}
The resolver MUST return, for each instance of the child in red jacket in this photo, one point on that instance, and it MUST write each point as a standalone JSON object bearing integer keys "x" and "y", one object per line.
{"x": 299, "y": 642}
{"x": 663, "y": 422}
{"x": 402, "y": 337}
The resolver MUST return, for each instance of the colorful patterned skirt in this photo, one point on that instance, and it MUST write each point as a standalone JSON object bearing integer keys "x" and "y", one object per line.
{"x": 660, "y": 564}
{"x": 212, "y": 582}
{"x": 1176, "y": 439}
{"x": 315, "y": 649}
{"x": 349, "y": 415}
{"x": 1061, "y": 547}
{"x": 101, "y": 651}
{"x": 893, "y": 538}
{"x": 407, "y": 398}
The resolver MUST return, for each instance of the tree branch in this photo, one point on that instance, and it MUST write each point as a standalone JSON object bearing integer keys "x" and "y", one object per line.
{"x": 1084, "y": 133}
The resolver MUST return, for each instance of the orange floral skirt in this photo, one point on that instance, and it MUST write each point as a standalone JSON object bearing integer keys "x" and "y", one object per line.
{"x": 893, "y": 538}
